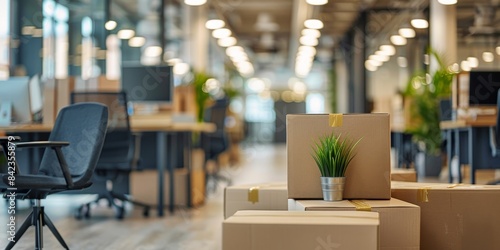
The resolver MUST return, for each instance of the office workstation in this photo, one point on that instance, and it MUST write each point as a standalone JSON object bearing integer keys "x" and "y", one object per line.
{"x": 188, "y": 124}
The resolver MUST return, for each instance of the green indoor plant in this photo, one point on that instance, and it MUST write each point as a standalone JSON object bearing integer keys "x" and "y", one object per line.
{"x": 426, "y": 89}
{"x": 332, "y": 155}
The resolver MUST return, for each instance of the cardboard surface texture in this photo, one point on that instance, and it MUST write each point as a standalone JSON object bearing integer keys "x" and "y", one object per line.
{"x": 268, "y": 196}
{"x": 409, "y": 175}
{"x": 368, "y": 175}
{"x": 455, "y": 216}
{"x": 271, "y": 230}
{"x": 399, "y": 220}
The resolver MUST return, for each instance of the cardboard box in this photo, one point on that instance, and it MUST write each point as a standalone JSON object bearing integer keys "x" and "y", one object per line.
{"x": 144, "y": 187}
{"x": 271, "y": 230}
{"x": 269, "y": 196}
{"x": 409, "y": 175}
{"x": 368, "y": 175}
{"x": 455, "y": 216}
{"x": 399, "y": 220}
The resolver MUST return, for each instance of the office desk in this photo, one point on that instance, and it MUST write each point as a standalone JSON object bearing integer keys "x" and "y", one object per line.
{"x": 470, "y": 143}
{"x": 161, "y": 126}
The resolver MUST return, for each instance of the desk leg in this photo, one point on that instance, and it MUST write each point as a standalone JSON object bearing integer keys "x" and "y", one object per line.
{"x": 173, "y": 156}
{"x": 457, "y": 153}
{"x": 187, "y": 160}
{"x": 449, "y": 153}
{"x": 161, "y": 148}
{"x": 471, "y": 155}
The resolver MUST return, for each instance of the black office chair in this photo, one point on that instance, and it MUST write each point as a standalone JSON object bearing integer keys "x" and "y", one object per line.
{"x": 118, "y": 153}
{"x": 215, "y": 143}
{"x": 75, "y": 145}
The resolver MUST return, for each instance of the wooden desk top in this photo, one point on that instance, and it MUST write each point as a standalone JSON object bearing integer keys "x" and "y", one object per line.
{"x": 486, "y": 121}
{"x": 147, "y": 125}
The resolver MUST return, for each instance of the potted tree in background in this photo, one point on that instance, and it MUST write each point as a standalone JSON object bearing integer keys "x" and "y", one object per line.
{"x": 426, "y": 90}
{"x": 332, "y": 155}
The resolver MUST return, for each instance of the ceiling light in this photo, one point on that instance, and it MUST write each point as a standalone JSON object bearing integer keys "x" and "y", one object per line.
{"x": 195, "y": 2}
{"x": 308, "y": 41}
{"x": 230, "y": 51}
{"x": 388, "y": 49}
{"x": 317, "y": 2}
{"x": 465, "y": 65}
{"x": 407, "y": 32}
{"x": 419, "y": 22}
{"x": 398, "y": 40}
{"x": 473, "y": 61}
{"x": 227, "y": 41}
{"x": 311, "y": 32}
{"x": 307, "y": 50}
{"x": 214, "y": 24}
{"x": 313, "y": 24}
{"x": 221, "y": 33}
{"x": 497, "y": 49}
{"x": 380, "y": 58}
{"x": 153, "y": 51}
{"x": 110, "y": 25}
{"x": 369, "y": 66}
{"x": 125, "y": 34}
{"x": 181, "y": 68}
{"x": 447, "y": 2}
{"x": 488, "y": 56}
{"x": 374, "y": 62}
{"x": 137, "y": 41}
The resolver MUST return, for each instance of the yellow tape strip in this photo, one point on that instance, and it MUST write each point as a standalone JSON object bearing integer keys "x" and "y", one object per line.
{"x": 361, "y": 205}
{"x": 253, "y": 194}
{"x": 423, "y": 194}
{"x": 335, "y": 120}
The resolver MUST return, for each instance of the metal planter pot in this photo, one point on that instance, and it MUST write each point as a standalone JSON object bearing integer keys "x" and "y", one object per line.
{"x": 333, "y": 188}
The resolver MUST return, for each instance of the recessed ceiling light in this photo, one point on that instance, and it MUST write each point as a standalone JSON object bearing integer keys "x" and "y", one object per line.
{"x": 398, "y": 40}
{"x": 110, "y": 25}
{"x": 313, "y": 24}
{"x": 311, "y": 32}
{"x": 136, "y": 41}
{"x": 153, "y": 51}
{"x": 195, "y": 2}
{"x": 214, "y": 24}
{"x": 419, "y": 23}
{"x": 388, "y": 49}
{"x": 447, "y": 2}
{"x": 488, "y": 56}
{"x": 407, "y": 32}
{"x": 227, "y": 41}
{"x": 125, "y": 34}
{"x": 473, "y": 61}
{"x": 317, "y": 2}
{"x": 308, "y": 41}
{"x": 221, "y": 33}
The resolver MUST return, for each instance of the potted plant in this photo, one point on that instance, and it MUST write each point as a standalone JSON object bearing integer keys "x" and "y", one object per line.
{"x": 426, "y": 91}
{"x": 332, "y": 155}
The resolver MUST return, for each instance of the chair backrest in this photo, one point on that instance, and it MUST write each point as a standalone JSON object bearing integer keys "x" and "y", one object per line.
{"x": 84, "y": 127}
{"x": 217, "y": 113}
{"x": 218, "y": 141}
{"x": 118, "y": 145}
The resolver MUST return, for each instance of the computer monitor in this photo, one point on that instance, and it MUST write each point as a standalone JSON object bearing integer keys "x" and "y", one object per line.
{"x": 483, "y": 88}
{"x": 15, "y": 91}
{"x": 148, "y": 84}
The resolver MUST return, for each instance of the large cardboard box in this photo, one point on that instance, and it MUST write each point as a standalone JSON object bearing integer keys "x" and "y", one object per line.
{"x": 368, "y": 175}
{"x": 268, "y": 196}
{"x": 409, "y": 175}
{"x": 271, "y": 230}
{"x": 144, "y": 187}
{"x": 399, "y": 220}
{"x": 455, "y": 216}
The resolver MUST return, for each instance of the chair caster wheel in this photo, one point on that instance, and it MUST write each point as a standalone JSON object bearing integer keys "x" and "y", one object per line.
{"x": 121, "y": 213}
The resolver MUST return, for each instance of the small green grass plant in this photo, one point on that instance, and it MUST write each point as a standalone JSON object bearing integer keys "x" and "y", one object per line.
{"x": 333, "y": 154}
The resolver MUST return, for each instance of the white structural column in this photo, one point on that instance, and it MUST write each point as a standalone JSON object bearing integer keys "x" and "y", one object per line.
{"x": 443, "y": 31}
{"x": 197, "y": 37}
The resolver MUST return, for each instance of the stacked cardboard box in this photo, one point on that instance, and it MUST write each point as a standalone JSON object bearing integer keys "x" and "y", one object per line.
{"x": 269, "y": 196}
{"x": 271, "y": 230}
{"x": 399, "y": 220}
{"x": 455, "y": 216}
{"x": 404, "y": 175}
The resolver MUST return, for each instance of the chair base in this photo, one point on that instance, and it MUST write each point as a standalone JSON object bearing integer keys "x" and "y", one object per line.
{"x": 84, "y": 210}
{"x": 37, "y": 218}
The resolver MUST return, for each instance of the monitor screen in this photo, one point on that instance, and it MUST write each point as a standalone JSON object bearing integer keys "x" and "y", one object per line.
{"x": 483, "y": 88}
{"x": 16, "y": 91}
{"x": 148, "y": 84}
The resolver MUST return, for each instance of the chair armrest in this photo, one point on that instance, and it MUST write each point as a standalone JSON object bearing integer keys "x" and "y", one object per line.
{"x": 38, "y": 144}
{"x": 55, "y": 145}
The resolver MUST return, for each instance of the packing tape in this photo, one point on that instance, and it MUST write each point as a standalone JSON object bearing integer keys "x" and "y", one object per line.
{"x": 253, "y": 194}
{"x": 335, "y": 120}
{"x": 423, "y": 194}
{"x": 361, "y": 205}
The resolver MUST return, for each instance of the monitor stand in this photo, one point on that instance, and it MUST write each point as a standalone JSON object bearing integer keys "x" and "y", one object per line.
{"x": 143, "y": 108}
